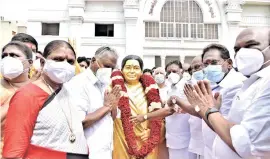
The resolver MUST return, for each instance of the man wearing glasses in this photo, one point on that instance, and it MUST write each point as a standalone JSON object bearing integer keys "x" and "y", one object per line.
{"x": 218, "y": 69}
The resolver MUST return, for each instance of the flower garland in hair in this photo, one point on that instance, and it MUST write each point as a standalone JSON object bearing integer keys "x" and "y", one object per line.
{"x": 153, "y": 100}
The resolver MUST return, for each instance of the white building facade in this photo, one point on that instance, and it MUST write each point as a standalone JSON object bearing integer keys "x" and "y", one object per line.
{"x": 176, "y": 29}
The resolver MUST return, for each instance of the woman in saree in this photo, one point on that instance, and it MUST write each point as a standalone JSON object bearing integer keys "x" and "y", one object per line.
{"x": 41, "y": 122}
{"x": 139, "y": 96}
{"x": 16, "y": 59}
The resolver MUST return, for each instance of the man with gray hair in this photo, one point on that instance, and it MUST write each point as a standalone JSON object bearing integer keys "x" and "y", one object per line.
{"x": 95, "y": 104}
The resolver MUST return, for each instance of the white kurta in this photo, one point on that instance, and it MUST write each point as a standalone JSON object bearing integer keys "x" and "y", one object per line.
{"x": 88, "y": 96}
{"x": 228, "y": 87}
{"x": 177, "y": 127}
{"x": 196, "y": 144}
{"x": 251, "y": 112}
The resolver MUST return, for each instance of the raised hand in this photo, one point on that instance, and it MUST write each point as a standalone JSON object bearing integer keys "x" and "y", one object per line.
{"x": 111, "y": 99}
{"x": 200, "y": 95}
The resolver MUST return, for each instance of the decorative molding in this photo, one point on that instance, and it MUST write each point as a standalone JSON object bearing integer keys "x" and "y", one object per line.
{"x": 211, "y": 10}
{"x": 234, "y": 5}
{"x": 131, "y": 3}
{"x": 153, "y": 4}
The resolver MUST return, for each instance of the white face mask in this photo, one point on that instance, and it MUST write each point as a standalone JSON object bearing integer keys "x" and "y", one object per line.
{"x": 249, "y": 61}
{"x": 36, "y": 64}
{"x": 159, "y": 78}
{"x": 186, "y": 76}
{"x": 11, "y": 67}
{"x": 59, "y": 72}
{"x": 173, "y": 78}
{"x": 104, "y": 75}
{"x": 34, "y": 56}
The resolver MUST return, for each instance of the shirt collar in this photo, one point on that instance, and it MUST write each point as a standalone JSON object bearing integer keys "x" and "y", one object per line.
{"x": 262, "y": 73}
{"x": 90, "y": 74}
{"x": 232, "y": 78}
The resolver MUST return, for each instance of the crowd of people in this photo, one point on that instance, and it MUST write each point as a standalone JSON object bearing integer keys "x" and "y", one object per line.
{"x": 208, "y": 109}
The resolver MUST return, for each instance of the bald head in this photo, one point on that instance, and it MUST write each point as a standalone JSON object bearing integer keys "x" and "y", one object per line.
{"x": 186, "y": 66}
{"x": 196, "y": 64}
{"x": 256, "y": 38}
{"x": 196, "y": 59}
{"x": 159, "y": 70}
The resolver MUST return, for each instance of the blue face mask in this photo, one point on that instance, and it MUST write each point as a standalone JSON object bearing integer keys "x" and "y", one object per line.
{"x": 214, "y": 73}
{"x": 198, "y": 75}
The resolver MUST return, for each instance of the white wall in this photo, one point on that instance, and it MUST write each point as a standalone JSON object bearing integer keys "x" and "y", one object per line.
{"x": 34, "y": 28}
{"x": 256, "y": 10}
{"x": 103, "y": 13}
{"x": 100, "y": 11}
{"x": 149, "y": 62}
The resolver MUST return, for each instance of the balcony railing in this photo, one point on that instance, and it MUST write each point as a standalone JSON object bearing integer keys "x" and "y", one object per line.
{"x": 256, "y": 20}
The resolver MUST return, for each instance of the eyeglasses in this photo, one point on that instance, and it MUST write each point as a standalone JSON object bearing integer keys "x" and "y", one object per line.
{"x": 212, "y": 62}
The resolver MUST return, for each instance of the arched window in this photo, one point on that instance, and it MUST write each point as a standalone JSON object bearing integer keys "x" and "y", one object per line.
{"x": 182, "y": 19}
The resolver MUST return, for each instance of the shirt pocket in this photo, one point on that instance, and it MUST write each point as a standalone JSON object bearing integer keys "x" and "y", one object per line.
{"x": 238, "y": 109}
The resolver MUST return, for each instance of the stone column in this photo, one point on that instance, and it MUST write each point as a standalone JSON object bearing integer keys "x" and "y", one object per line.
{"x": 163, "y": 59}
{"x": 76, "y": 13}
{"x": 133, "y": 31}
{"x": 233, "y": 12}
{"x": 182, "y": 59}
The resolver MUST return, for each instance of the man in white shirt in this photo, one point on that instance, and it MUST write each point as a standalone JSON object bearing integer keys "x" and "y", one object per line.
{"x": 160, "y": 76}
{"x": 245, "y": 132}
{"x": 196, "y": 144}
{"x": 177, "y": 126}
{"x": 88, "y": 89}
{"x": 217, "y": 68}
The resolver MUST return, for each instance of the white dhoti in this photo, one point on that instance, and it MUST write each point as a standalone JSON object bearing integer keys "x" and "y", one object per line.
{"x": 106, "y": 154}
{"x": 181, "y": 154}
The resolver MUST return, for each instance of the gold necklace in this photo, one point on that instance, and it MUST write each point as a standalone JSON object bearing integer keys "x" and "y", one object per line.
{"x": 72, "y": 136}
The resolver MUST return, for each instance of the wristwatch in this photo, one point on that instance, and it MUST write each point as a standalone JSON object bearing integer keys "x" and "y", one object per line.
{"x": 145, "y": 117}
{"x": 210, "y": 111}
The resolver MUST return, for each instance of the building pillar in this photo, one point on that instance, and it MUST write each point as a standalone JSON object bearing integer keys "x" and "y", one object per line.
{"x": 163, "y": 61}
{"x": 133, "y": 36}
{"x": 233, "y": 12}
{"x": 76, "y": 13}
{"x": 182, "y": 59}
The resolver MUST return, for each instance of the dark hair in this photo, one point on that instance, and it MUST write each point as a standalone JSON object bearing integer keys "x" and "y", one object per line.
{"x": 83, "y": 59}
{"x": 224, "y": 52}
{"x": 53, "y": 45}
{"x": 20, "y": 46}
{"x": 154, "y": 68}
{"x": 39, "y": 52}
{"x": 22, "y": 37}
{"x": 147, "y": 70}
{"x": 175, "y": 62}
{"x": 132, "y": 57}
